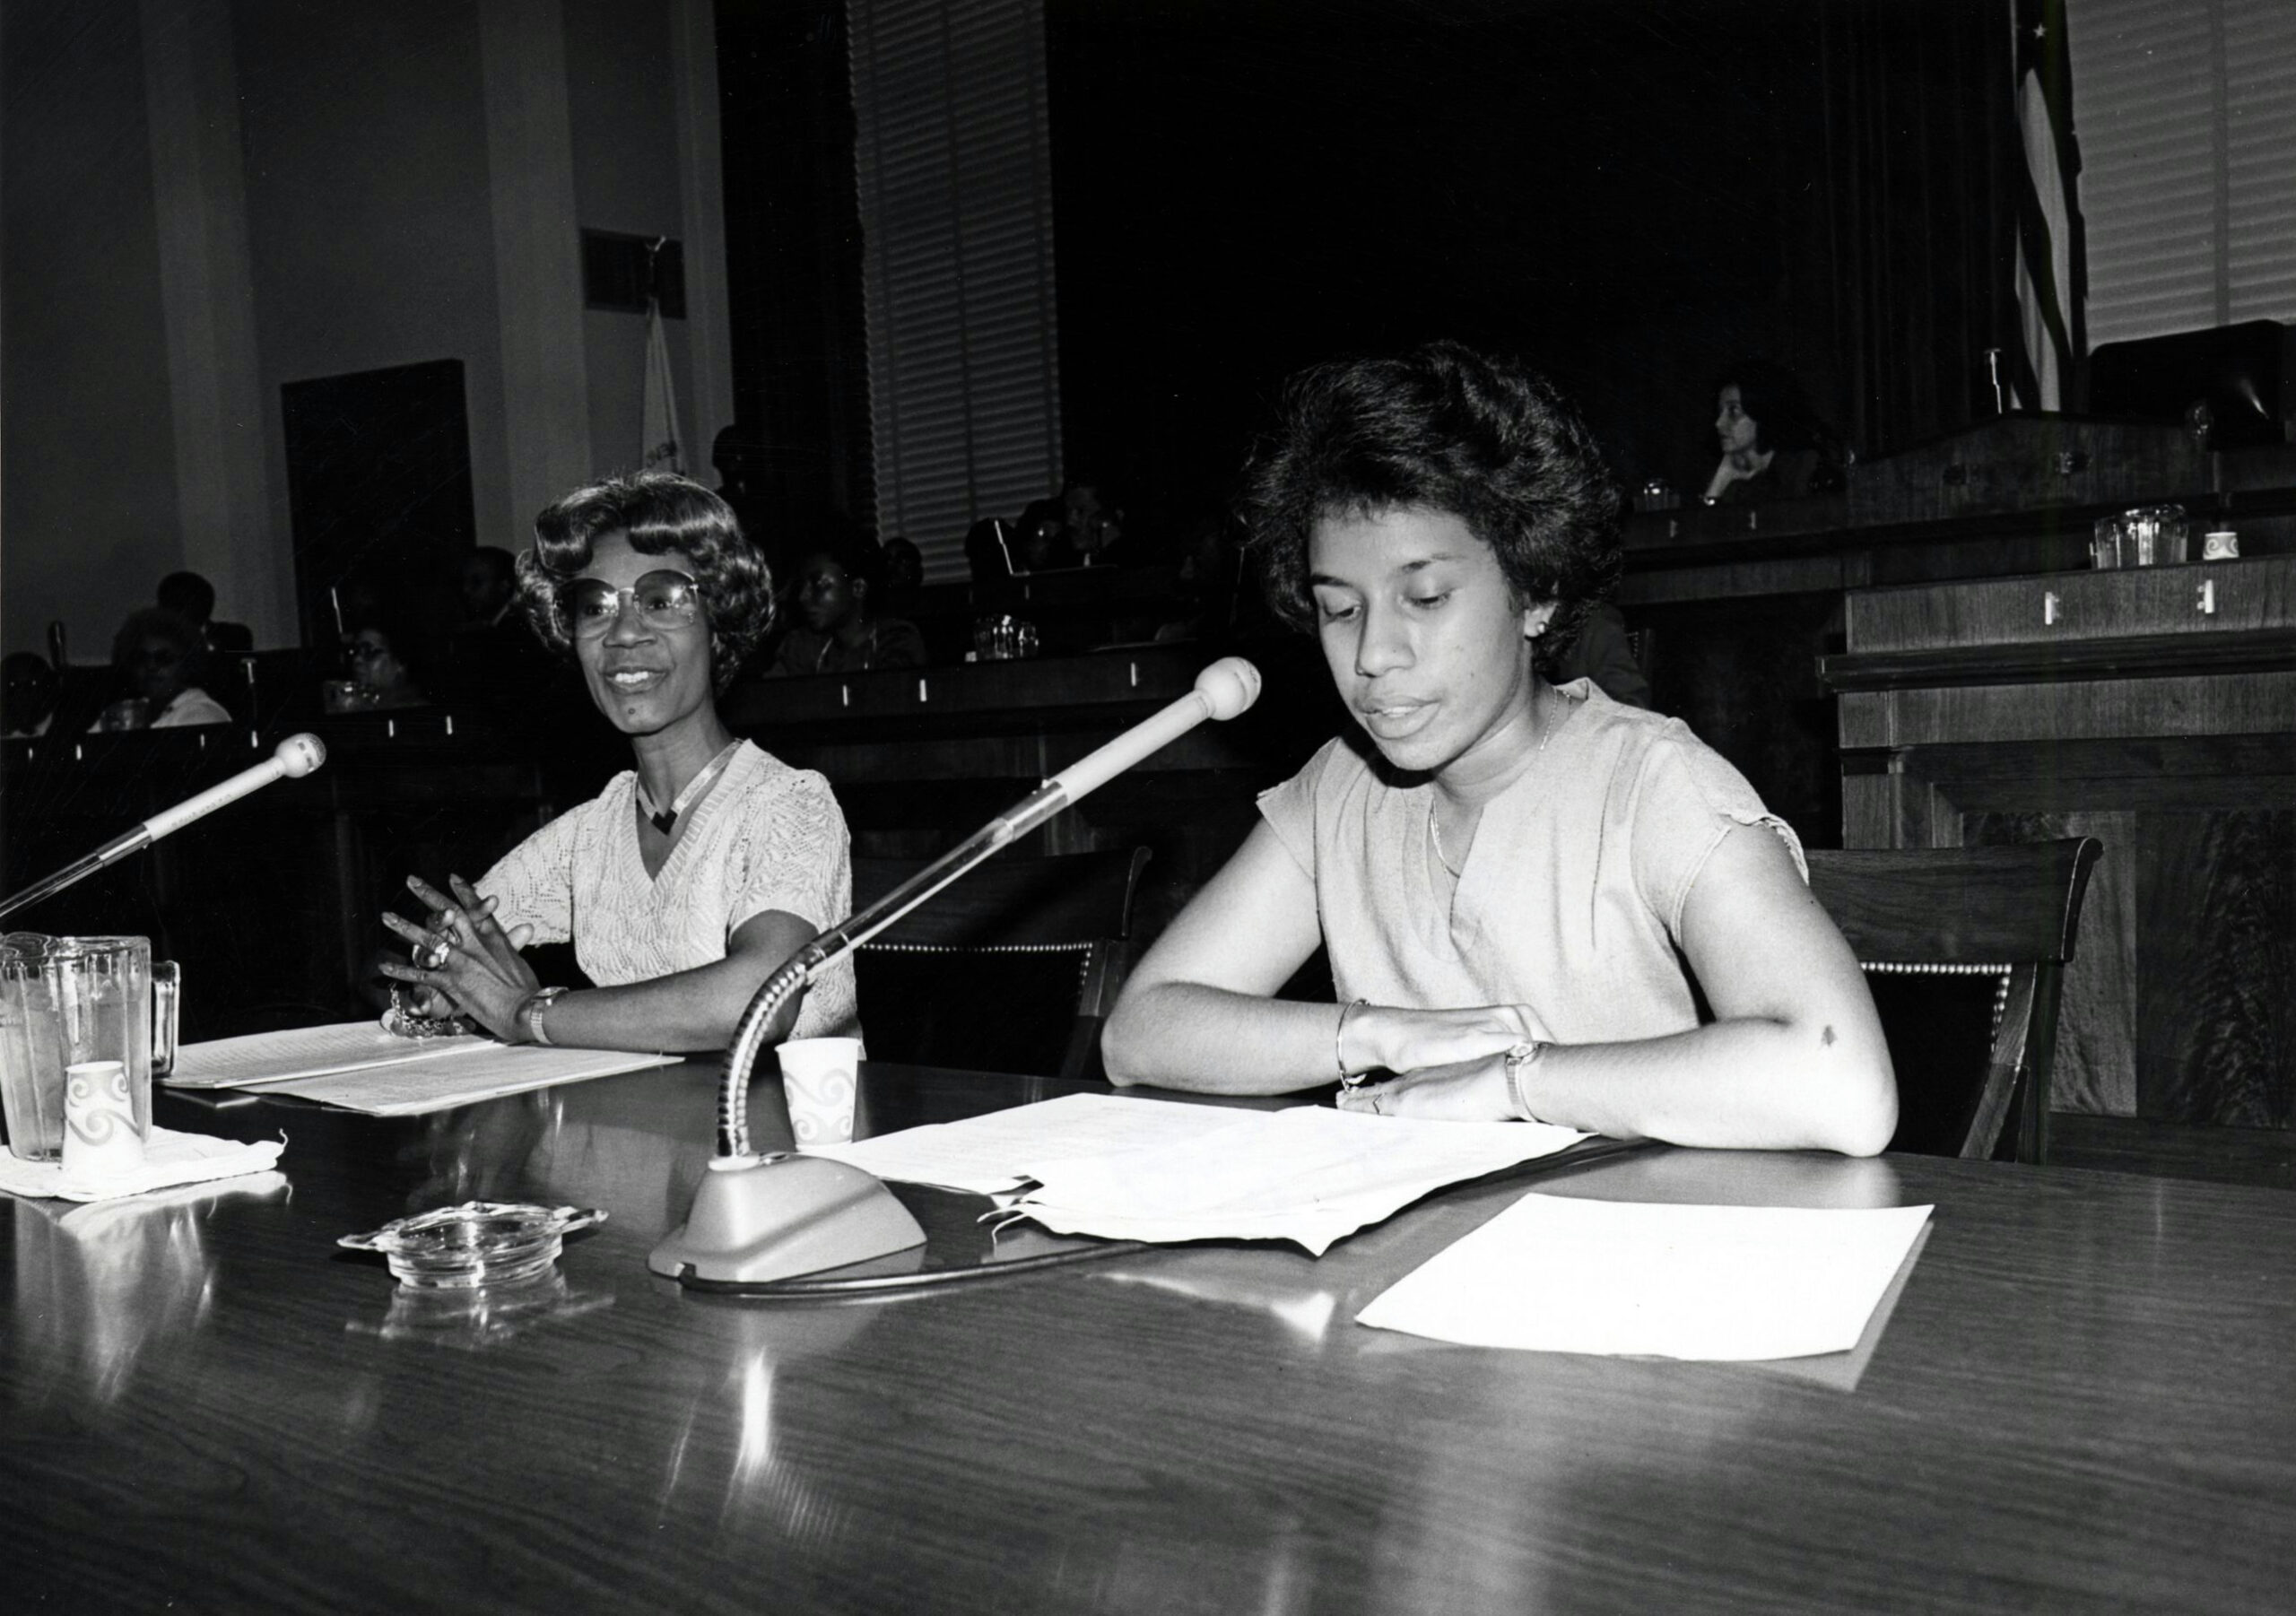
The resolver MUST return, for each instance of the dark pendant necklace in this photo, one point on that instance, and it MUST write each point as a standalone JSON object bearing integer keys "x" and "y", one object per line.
{"x": 662, "y": 819}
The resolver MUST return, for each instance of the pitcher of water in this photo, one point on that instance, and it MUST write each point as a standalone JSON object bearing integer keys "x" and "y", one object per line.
{"x": 67, "y": 1000}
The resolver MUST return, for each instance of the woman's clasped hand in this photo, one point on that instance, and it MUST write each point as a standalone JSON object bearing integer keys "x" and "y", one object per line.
{"x": 464, "y": 963}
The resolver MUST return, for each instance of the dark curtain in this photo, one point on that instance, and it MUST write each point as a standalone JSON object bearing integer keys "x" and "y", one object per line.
{"x": 1921, "y": 160}
{"x": 792, "y": 254}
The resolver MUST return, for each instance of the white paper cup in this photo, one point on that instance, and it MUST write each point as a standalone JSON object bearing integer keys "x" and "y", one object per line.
{"x": 100, "y": 1136}
{"x": 819, "y": 1077}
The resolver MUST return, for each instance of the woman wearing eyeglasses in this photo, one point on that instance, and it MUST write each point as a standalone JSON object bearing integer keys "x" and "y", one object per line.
{"x": 687, "y": 880}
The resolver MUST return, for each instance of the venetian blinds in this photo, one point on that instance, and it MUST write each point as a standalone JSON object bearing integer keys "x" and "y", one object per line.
{"x": 2186, "y": 111}
{"x": 955, "y": 189}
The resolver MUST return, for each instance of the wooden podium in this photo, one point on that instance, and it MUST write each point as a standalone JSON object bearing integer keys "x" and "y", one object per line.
{"x": 2155, "y": 709}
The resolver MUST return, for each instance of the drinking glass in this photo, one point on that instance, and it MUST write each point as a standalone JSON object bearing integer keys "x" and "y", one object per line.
{"x": 68, "y": 999}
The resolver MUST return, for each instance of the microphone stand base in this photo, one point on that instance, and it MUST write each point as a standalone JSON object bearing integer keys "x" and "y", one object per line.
{"x": 777, "y": 1217}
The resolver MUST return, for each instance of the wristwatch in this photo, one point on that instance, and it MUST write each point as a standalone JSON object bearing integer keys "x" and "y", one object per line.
{"x": 1521, "y": 1059}
{"x": 530, "y": 1014}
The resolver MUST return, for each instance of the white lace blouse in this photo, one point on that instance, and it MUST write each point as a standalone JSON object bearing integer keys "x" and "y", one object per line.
{"x": 765, "y": 837}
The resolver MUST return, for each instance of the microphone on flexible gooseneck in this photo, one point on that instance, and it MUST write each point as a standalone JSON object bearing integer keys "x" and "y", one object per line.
{"x": 290, "y": 759}
{"x": 748, "y": 1227}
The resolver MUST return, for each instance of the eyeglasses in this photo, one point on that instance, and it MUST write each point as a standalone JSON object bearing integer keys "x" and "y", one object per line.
{"x": 665, "y": 600}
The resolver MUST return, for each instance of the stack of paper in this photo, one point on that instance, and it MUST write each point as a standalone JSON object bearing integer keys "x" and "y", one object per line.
{"x": 1141, "y": 1169}
{"x": 1564, "y": 1274}
{"x": 990, "y": 1154}
{"x": 358, "y": 1065}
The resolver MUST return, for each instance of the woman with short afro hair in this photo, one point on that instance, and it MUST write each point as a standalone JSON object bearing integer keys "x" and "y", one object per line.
{"x": 1523, "y": 887}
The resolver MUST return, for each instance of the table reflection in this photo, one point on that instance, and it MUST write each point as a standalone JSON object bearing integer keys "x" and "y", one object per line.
{"x": 99, "y": 1284}
{"x": 481, "y": 1316}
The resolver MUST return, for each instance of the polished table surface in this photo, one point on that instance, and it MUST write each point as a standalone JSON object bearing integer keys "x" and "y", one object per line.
{"x": 2084, "y": 1399}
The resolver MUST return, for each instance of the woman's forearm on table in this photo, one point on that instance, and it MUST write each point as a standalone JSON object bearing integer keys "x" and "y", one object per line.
{"x": 688, "y": 1010}
{"x": 1748, "y": 1083}
{"x": 1183, "y": 1035}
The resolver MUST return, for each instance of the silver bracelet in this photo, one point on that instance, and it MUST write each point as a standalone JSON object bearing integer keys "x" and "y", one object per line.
{"x": 1525, "y": 1054}
{"x": 1339, "y": 1033}
{"x": 529, "y": 1017}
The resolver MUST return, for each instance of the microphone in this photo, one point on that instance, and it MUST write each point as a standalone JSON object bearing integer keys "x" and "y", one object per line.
{"x": 755, "y": 1219}
{"x": 290, "y": 759}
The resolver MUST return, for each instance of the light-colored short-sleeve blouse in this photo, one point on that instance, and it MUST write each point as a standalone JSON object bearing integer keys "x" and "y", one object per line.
{"x": 765, "y": 837}
{"x": 1571, "y": 898}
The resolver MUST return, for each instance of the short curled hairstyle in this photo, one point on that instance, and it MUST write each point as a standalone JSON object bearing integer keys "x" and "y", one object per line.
{"x": 658, "y": 512}
{"x": 1441, "y": 428}
{"x": 158, "y": 623}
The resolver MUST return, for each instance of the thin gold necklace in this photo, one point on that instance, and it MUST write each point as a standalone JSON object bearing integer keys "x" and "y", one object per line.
{"x": 1434, "y": 812}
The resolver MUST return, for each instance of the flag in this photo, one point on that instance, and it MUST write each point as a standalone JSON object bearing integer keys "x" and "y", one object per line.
{"x": 663, "y": 450}
{"x": 2052, "y": 274}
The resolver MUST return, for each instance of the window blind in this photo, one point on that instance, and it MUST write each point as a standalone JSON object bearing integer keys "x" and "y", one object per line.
{"x": 953, "y": 175}
{"x": 2186, "y": 111}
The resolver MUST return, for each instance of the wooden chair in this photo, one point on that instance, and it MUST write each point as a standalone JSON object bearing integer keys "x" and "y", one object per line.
{"x": 1014, "y": 968}
{"x": 1965, "y": 949}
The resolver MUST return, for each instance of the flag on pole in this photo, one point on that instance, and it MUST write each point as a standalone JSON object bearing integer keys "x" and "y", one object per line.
{"x": 665, "y": 448}
{"x": 2052, "y": 274}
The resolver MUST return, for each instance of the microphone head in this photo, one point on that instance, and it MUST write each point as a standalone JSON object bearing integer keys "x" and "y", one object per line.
{"x": 1228, "y": 687}
{"x": 298, "y": 755}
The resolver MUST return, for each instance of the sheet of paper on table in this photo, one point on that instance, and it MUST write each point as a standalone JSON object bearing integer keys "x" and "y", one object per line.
{"x": 360, "y": 1067}
{"x": 1560, "y": 1273}
{"x": 1144, "y": 1170}
{"x": 984, "y": 1154}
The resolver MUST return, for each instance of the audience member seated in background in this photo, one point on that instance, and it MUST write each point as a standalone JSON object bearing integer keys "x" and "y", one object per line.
{"x": 1093, "y": 527}
{"x": 841, "y": 632}
{"x": 1040, "y": 538}
{"x": 1774, "y": 447}
{"x": 492, "y": 663}
{"x": 1517, "y": 882}
{"x": 990, "y": 552}
{"x": 744, "y": 470}
{"x": 1602, "y": 653}
{"x": 378, "y": 654}
{"x": 29, "y": 686}
{"x": 489, "y": 588}
{"x": 687, "y": 883}
{"x": 904, "y": 564}
{"x": 1206, "y": 580}
{"x": 193, "y": 598}
{"x": 159, "y": 659}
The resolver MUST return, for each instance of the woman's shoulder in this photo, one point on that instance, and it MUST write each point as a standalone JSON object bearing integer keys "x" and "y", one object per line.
{"x": 756, "y": 773}
{"x": 1619, "y": 725}
{"x": 593, "y": 814}
{"x": 1337, "y": 772}
{"x": 1637, "y": 742}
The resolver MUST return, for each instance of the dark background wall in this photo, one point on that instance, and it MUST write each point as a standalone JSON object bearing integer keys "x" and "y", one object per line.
{"x": 1625, "y": 194}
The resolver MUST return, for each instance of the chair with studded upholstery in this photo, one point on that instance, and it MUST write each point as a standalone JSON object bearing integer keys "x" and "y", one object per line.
{"x": 1965, "y": 949}
{"x": 1014, "y": 968}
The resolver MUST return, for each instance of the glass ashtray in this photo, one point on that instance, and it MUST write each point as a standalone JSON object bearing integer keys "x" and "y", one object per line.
{"x": 477, "y": 1243}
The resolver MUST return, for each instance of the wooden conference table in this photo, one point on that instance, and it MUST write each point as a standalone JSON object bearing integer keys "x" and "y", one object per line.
{"x": 2084, "y": 1399}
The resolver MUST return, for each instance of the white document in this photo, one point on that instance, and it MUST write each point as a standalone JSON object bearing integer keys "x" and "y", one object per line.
{"x": 488, "y": 1072}
{"x": 987, "y": 1154}
{"x": 270, "y": 1057}
{"x": 1306, "y": 1174}
{"x": 1559, "y": 1273}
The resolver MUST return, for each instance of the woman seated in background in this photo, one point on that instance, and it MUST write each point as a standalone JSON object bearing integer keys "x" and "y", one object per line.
{"x": 1517, "y": 883}
{"x": 1774, "y": 447}
{"x": 160, "y": 659}
{"x": 684, "y": 884}
{"x": 837, "y": 589}
{"x": 379, "y": 651}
